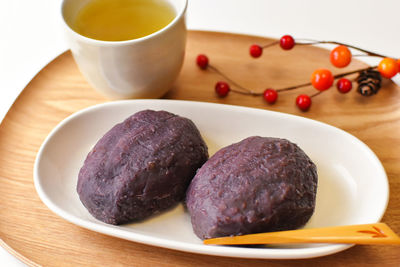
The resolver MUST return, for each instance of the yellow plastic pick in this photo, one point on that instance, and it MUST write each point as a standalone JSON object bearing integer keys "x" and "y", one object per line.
{"x": 376, "y": 233}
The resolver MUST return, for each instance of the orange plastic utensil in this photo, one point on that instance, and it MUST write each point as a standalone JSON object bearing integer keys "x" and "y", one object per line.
{"x": 376, "y": 233}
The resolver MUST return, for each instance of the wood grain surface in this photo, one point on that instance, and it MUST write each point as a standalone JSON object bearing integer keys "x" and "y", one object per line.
{"x": 37, "y": 236}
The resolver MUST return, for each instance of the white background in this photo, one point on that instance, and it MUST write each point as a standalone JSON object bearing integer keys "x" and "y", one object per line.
{"x": 31, "y": 33}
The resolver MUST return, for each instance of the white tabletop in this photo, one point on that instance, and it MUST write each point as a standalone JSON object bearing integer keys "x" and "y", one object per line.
{"x": 31, "y": 35}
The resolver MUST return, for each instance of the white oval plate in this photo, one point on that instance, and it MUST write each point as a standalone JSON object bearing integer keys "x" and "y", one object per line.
{"x": 352, "y": 187}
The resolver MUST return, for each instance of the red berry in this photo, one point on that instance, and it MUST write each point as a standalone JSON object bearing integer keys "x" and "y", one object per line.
{"x": 322, "y": 79}
{"x": 287, "y": 42}
{"x": 344, "y": 85}
{"x": 255, "y": 50}
{"x": 202, "y": 61}
{"x": 303, "y": 102}
{"x": 340, "y": 56}
{"x": 388, "y": 67}
{"x": 270, "y": 95}
{"x": 222, "y": 89}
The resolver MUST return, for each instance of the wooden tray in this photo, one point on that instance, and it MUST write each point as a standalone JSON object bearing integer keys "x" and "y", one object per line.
{"x": 29, "y": 230}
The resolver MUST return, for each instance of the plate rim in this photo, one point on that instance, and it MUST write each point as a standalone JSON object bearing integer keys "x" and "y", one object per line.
{"x": 117, "y": 231}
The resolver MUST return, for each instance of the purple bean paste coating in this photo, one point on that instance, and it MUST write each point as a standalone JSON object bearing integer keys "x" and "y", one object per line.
{"x": 140, "y": 167}
{"x": 260, "y": 184}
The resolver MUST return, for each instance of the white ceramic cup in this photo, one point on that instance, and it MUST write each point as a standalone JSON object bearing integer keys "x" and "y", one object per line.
{"x": 139, "y": 68}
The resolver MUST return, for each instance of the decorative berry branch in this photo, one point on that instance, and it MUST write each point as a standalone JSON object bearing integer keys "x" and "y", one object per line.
{"x": 369, "y": 79}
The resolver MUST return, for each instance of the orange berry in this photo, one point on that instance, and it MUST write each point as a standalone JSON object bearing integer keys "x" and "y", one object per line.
{"x": 322, "y": 79}
{"x": 340, "y": 56}
{"x": 388, "y": 67}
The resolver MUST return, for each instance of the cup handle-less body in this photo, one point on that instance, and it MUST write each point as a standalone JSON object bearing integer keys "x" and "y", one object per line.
{"x": 141, "y": 68}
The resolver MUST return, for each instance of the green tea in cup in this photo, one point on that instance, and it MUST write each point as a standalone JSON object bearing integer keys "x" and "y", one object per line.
{"x": 127, "y": 48}
{"x": 121, "y": 20}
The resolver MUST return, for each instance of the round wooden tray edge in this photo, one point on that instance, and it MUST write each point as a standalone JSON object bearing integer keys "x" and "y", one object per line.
{"x": 17, "y": 254}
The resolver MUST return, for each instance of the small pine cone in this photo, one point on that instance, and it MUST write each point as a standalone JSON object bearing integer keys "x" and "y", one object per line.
{"x": 369, "y": 82}
{"x": 367, "y": 89}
